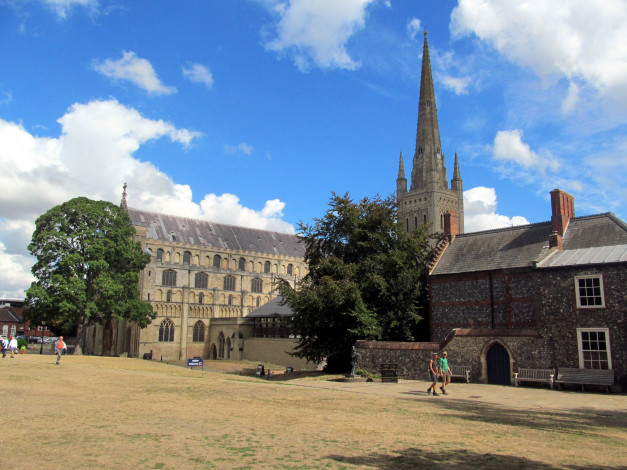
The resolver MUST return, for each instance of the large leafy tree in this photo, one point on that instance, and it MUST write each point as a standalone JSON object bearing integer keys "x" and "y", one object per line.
{"x": 366, "y": 280}
{"x": 87, "y": 268}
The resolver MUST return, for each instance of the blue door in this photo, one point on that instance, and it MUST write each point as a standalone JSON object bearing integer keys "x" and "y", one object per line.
{"x": 498, "y": 365}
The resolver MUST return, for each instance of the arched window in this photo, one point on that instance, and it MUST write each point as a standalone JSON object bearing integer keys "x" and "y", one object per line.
{"x": 428, "y": 104}
{"x": 168, "y": 296}
{"x": 160, "y": 255}
{"x": 256, "y": 285}
{"x": 216, "y": 261}
{"x": 200, "y": 280}
{"x": 290, "y": 269}
{"x": 241, "y": 265}
{"x": 229, "y": 283}
{"x": 258, "y": 301}
{"x": 419, "y": 150}
{"x": 201, "y": 298}
{"x": 266, "y": 267}
{"x": 166, "y": 330}
{"x": 199, "y": 332}
{"x": 169, "y": 278}
{"x": 187, "y": 258}
{"x": 416, "y": 222}
{"x": 230, "y": 301}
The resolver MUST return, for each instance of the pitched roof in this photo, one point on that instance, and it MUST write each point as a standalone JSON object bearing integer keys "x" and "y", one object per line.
{"x": 8, "y": 315}
{"x": 171, "y": 228}
{"x": 523, "y": 246}
{"x": 583, "y": 256}
{"x": 272, "y": 309}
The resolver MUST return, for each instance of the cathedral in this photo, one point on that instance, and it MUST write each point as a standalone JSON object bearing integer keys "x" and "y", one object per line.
{"x": 429, "y": 198}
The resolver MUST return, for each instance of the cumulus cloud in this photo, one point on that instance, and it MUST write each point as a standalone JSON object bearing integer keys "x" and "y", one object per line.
{"x": 556, "y": 39}
{"x": 136, "y": 70}
{"x": 242, "y": 147}
{"x": 480, "y": 211}
{"x": 316, "y": 32}
{"x": 459, "y": 85}
{"x": 509, "y": 147}
{"x": 198, "y": 73}
{"x": 414, "y": 26}
{"x": 61, "y": 7}
{"x": 93, "y": 157}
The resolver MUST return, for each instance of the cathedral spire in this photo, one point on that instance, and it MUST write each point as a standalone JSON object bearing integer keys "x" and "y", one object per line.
{"x": 456, "y": 175}
{"x": 428, "y": 161}
{"x": 401, "y": 181}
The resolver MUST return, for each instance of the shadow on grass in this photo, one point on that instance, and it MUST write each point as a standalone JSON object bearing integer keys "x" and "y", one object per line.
{"x": 574, "y": 421}
{"x": 418, "y": 458}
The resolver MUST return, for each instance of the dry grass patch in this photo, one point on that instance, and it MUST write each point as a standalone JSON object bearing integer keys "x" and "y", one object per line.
{"x": 94, "y": 412}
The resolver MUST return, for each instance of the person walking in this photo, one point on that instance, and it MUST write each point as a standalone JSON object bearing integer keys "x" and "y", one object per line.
{"x": 13, "y": 346}
{"x": 4, "y": 344}
{"x": 59, "y": 347}
{"x": 445, "y": 371}
{"x": 434, "y": 371}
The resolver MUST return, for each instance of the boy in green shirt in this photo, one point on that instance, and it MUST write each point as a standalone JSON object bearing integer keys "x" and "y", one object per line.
{"x": 445, "y": 371}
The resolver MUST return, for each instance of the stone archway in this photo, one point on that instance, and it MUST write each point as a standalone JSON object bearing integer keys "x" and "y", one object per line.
{"x": 496, "y": 363}
{"x": 213, "y": 354}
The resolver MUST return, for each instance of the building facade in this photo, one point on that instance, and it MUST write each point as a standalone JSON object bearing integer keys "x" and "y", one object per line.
{"x": 429, "y": 197}
{"x": 202, "y": 280}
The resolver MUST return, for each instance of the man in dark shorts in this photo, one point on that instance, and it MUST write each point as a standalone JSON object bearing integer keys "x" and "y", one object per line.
{"x": 434, "y": 372}
{"x": 445, "y": 371}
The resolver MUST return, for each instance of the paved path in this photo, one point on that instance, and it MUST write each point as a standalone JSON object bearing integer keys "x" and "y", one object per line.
{"x": 517, "y": 398}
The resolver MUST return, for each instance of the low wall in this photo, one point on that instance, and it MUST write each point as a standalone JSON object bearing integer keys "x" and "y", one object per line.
{"x": 275, "y": 351}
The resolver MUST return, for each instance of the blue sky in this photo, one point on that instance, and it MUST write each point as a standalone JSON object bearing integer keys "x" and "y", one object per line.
{"x": 253, "y": 111}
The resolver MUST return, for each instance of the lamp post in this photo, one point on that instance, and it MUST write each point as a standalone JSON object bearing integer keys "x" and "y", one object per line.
{"x": 43, "y": 327}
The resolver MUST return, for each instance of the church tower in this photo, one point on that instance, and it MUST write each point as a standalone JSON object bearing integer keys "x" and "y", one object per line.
{"x": 429, "y": 198}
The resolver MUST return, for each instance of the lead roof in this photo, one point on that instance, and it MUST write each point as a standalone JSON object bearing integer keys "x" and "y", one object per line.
{"x": 171, "y": 228}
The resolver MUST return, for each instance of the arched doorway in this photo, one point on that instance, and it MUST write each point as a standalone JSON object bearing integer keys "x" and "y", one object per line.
{"x": 498, "y": 363}
{"x": 228, "y": 348}
{"x": 214, "y": 352}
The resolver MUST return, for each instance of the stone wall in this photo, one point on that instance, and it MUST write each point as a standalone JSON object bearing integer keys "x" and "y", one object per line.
{"x": 275, "y": 351}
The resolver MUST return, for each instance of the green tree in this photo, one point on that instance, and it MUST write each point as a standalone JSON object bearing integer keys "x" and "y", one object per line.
{"x": 87, "y": 268}
{"x": 366, "y": 280}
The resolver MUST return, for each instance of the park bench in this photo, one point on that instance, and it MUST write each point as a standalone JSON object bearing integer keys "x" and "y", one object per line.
{"x": 462, "y": 372}
{"x": 534, "y": 375}
{"x": 583, "y": 377}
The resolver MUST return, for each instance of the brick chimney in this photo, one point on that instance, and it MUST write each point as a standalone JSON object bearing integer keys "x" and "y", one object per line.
{"x": 451, "y": 224}
{"x": 562, "y": 210}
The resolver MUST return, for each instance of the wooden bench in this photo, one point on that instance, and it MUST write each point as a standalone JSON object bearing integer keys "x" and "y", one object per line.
{"x": 583, "y": 377}
{"x": 462, "y": 372}
{"x": 534, "y": 375}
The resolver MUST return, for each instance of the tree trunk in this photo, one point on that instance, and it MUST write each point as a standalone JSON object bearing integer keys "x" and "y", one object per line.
{"x": 81, "y": 335}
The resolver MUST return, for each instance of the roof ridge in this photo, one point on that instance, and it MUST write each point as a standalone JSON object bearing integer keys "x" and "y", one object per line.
{"x": 212, "y": 222}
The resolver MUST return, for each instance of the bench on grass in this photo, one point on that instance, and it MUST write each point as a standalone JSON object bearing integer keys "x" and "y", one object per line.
{"x": 585, "y": 377}
{"x": 462, "y": 372}
{"x": 534, "y": 375}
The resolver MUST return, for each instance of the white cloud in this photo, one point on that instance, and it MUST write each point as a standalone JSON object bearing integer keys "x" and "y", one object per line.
{"x": 317, "y": 31}
{"x": 414, "y": 26}
{"x": 136, "y": 70}
{"x": 198, "y": 73}
{"x": 480, "y": 211}
{"x": 242, "y": 147}
{"x": 93, "y": 157}
{"x": 61, "y": 7}
{"x": 459, "y": 85}
{"x": 509, "y": 147}
{"x": 556, "y": 39}
{"x": 571, "y": 99}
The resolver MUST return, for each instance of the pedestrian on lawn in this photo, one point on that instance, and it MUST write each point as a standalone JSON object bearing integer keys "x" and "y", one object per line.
{"x": 445, "y": 371}
{"x": 434, "y": 372}
{"x": 59, "y": 347}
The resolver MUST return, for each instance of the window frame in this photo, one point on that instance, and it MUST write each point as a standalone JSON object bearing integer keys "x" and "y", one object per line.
{"x": 201, "y": 280}
{"x": 229, "y": 283}
{"x": 198, "y": 333}
{"x": 166, "y": 331}
{"x": 168, "y": 278}
{"x": 578, "y": 296}
{"x": 580, "y": 349}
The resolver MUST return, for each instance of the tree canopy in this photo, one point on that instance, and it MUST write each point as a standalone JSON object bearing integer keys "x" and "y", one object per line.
{"x": 366, "y": 280}
{"x": 87, "y": 268}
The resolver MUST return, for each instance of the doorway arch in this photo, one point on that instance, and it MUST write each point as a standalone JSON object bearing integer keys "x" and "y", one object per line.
{"x": 498, "y": 364}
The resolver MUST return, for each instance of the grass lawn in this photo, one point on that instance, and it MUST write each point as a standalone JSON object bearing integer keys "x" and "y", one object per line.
{"x": 102, "y": 413}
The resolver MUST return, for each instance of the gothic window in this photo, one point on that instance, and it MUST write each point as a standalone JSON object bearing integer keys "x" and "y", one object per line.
{"x": 160, "y": 255}
{"x": 166, "y": 331}
{"x": 266, "y": 267}
{"x": 256, "y": 285}
{"x": 241, "y": 264}
{"x": 201, "y": 280}
{"x": 230, "y": 300}
{"x": 168, "y": 296}
{"x": 290, "y": 269}
{"x": 199, "y": 332}
{"x": 201, "y": 298}
{"x": 169, "y": 278}
{"x": 419, "y": 150}
{"x": 229, "y": 283}
{"x": 594, "y": 348}
{"x": 258, "y": 301}
{"x": 216, "y": 261}
{"x": 428, "y": 103}
{"x": 589, "y": 291}
{"x": 187, "y": 257}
